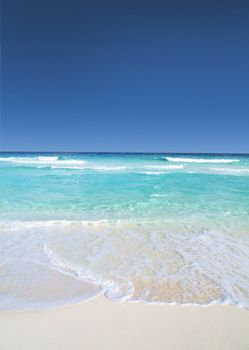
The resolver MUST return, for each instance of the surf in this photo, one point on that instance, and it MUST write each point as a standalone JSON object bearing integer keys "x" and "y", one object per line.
{"x": 200, "y": 160}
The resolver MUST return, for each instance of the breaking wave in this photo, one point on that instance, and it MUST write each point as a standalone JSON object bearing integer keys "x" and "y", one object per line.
{"x": 200, "y": 160}
{"x": 42, "y": 161}
{"x": 124, "y": 260}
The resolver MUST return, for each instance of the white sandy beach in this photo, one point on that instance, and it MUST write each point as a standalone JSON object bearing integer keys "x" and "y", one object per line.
{"x": 100, "y": 324}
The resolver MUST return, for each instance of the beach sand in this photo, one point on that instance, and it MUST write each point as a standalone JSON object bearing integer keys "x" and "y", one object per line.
{"x": 101, "y": 324}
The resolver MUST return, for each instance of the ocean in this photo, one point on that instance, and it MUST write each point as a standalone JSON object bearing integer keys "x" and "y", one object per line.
{"x": 153, "y": 228}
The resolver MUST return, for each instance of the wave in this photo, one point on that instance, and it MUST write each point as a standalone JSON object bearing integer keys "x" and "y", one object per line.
{"x": 45, "y": 158}
{"x": 198, "y": 259}
{"x": 157, "y": 195}
{"x": 126, "y": 260}
{"x": 115, "y": 289}
{"x": 200, "y": 160}
{"x": 73, "y": 167}
{"x": 94, "y": 168}
{"x": 29, "y": 159}
{"x": 164, "y": 166}
{"x": 55, "y": 162}
{"x": 107, "y": 168}
{"x": 158, "y": 169}
{"x": 33, "y": 224}
{"x": 152, "y": 172}
{"x": 123, "y": 168}
{"x": 231, "y": 170}
{"x": 42, "y": 160}
{"x": 220, "y": 171}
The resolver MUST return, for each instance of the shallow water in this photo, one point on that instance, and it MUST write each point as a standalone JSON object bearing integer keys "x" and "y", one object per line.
{"x": 137, "y": 227}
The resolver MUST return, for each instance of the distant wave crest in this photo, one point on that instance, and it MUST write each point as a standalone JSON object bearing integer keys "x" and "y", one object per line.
{"x": 200, "y": 160}
{"x": 42, "y": 160}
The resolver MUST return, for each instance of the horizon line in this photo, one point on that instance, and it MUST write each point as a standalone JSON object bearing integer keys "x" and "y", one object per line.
{"x": 126, "y": 152}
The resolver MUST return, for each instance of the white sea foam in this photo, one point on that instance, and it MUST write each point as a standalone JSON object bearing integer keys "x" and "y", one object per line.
{"x": 116, "y": 289}
{"x": 157, "y": 195}
{"x": 152, "y": 172}
{"x": 231, "y": 170}
{"x": 57, "y": 163}
{"x": 43, "y": 161}
{"x": 219, "y": 171}
{"x": 200, "y": 160}
{"x": 208, "y": 266}
{"x": 97, "y": 168}
{"x": 106, "y": 168}
{"x": 200, "y": 260}
{"x": 170, "y": 167}
{"x": 73, "y": 167}
{"x": 18, "y": 225}
{"x": 134, "y": 168}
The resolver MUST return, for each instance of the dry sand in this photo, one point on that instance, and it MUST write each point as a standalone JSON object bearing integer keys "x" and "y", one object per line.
{"x": 100, "y": 324}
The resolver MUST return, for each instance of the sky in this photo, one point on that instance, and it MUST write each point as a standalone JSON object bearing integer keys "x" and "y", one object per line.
{"x": 125, "y": 76}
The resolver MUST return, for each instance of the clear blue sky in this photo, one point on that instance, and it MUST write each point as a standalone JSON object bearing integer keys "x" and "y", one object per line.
{"x": 122, "y": 75}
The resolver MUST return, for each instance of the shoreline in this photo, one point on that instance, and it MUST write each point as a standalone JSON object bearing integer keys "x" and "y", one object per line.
{"x": 101, "y": 324}
{"x": 101, "y": 295}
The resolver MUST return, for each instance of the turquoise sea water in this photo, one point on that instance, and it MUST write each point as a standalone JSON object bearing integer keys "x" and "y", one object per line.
{"x": 139, "y": 227}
